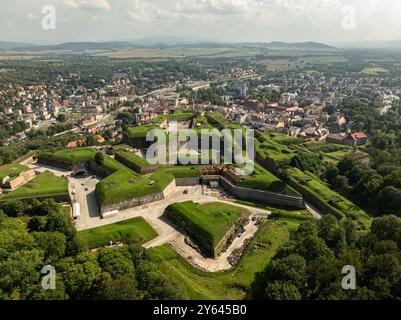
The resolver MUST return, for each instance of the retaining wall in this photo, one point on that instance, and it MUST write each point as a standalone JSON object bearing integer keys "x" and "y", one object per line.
{"x": 258, "y": 195}
{"x": 321, "y": 205}
{"x": 186, "y": 182}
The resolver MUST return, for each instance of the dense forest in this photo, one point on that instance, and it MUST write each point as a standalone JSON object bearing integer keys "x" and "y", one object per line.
{"x": 309, "y": 266}
{"x": 39, "y": 234}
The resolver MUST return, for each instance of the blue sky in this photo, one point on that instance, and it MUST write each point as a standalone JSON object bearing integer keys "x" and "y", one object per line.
{"x": 222, "y": 20}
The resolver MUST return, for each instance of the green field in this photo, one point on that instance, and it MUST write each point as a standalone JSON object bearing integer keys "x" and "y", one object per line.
{"x": 44, "y": 185}
{"x": 230, "y": 285}
{"x": 12, "y": 170}
{"x": 207, "y": 222}
{"x": 132, "y": 230}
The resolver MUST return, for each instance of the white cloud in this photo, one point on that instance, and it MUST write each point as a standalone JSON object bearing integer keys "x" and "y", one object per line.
{"x": 228, "y": 20}
{"x": 87, "y": 4}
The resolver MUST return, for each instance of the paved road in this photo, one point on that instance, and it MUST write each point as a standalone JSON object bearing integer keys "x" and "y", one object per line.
{"x": 167, "y": 233}
{"x": 77, "y": 190}
{"x": 153, "y": 214}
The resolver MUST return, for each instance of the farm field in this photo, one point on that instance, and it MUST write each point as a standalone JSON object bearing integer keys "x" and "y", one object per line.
{"x": 177, "y": 53}
{"x": 44, "y": 185}
{"x": 287, "y": 63}
{"x": 374, "y": 71}
{"x": 132, "y": 230}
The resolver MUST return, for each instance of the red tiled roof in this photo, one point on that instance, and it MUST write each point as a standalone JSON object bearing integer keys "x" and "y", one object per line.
{"x": 359, "y": 135}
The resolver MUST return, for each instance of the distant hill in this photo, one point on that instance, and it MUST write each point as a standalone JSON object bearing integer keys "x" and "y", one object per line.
{"x": 78, "y": 46}
{"x": 9, "y": 45}
{"x": 159, "y": 43}
{"x": 287, "y": 46}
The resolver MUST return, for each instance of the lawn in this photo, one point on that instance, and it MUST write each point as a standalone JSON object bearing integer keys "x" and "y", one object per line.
{"x": 262, "y": 179}
{"x": 12, "y": 170}
{"x": 44, "y": 185}
{"x": 206, "y": 223}
{"x": 229, "y": 285}
{"x": 134, "y": 159}
{"x": 74, "y": 155}
{"x": 140, "y": 132}
{"x": 132, "y": 230}
{"x": 126, "y": 184}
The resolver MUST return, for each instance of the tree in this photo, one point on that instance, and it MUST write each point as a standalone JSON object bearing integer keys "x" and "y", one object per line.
{"x": 387, "y": 228}
{"x": 44, "y": 208}
{"x": 345, "y": 165}
{"x": 61, "y": 221}
{"x": 278, "y": 290}
{"x": 331, "y": 173}
{"x": 307, "y": 229}
{"x": 13, "y": 208}
{"x": 61, "y": 118}
{"x": 307, "y": 162}
{"x": 19, "y": 273}
{"x": 99, "y": 158}
{"x": 389, "y": 200}
{"x": 115, "y": 263}
{"x": 121, "y": 288}
{"x": 313, "y": 247}
{"x": 53, "y": 244}
{"x": 291, "y": 269}
{"x": 79, "y": 273}
{"x": 340, "y": 182}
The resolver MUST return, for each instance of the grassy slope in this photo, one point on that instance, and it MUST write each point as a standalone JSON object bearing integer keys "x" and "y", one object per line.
{"x": 230, "y": 285}
{"x": 264, "y": 180}
{"x": 45, "y": 184}
{"x": 209, "y": 221}
{"x": 139, "y": 132}
{"x": 135, "y": 159}
{"x": 75, "y": 155}
{"x": 136, "y": 230}
{"x": 11, "y": 170}
{"x": 321, "y": 190}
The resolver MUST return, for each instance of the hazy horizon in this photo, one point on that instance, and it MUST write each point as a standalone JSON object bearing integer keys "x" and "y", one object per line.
{"x": 326, "y": 21}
